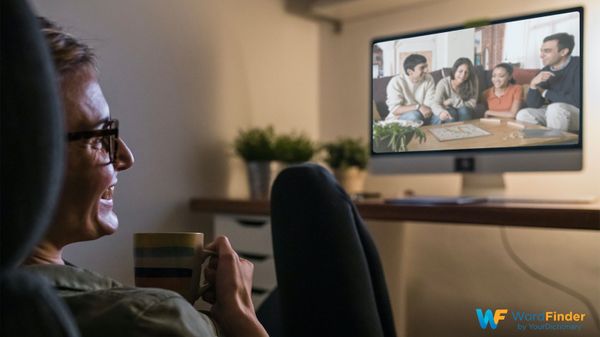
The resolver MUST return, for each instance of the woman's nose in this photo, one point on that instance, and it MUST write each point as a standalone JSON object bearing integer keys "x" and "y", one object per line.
{"x": 124, "y": 158}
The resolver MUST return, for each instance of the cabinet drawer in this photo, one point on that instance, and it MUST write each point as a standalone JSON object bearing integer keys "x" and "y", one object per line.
{"x": 248, "y": 234}
{"x": 258, "y": 298}
{"x": 264, "y": 273}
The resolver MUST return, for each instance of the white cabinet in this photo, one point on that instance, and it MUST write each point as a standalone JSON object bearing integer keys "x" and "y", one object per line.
{"x": 250, "y": 236}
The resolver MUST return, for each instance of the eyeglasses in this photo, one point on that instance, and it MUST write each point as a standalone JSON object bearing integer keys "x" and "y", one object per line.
{"x": 105, "y": 137}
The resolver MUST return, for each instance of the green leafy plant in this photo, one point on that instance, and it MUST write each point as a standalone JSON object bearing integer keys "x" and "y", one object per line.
{"x": 395, "y": 136}
{"x": 294, "y": 148}
{"x": 255, "y": 144}
{"x": 346, "y": 152}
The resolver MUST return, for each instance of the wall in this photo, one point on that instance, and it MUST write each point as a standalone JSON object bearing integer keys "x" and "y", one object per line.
{"x": 460, "y": 44}
{"x": 183, "y": 77}
{"x": 437, "y": 273}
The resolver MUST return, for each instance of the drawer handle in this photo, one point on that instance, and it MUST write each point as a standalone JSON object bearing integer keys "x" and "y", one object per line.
{"x": 253, "y": 256}
{"x": 259, "y": 291}
{"x": 251, "y": 223}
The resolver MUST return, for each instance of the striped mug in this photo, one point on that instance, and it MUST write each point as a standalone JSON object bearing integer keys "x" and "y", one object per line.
{"x": 172, "y": 260}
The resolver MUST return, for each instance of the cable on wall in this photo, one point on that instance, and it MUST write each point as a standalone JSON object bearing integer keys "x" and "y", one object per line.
{"x": 545, "y": 279}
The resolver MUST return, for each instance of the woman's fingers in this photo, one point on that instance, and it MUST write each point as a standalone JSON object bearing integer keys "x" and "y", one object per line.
{"x": 210, "y": 296}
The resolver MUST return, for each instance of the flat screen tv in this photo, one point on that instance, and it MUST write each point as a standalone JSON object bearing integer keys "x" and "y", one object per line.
{"x": 488, "y": 97}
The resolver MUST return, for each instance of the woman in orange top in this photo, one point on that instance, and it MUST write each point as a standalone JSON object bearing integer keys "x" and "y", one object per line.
{"x": 504, "y": 97}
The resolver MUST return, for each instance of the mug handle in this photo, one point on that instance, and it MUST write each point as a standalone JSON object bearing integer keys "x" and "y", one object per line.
{"x": 204, "y": 285}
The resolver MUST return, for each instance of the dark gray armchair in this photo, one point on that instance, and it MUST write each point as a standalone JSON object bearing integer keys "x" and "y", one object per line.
{"x": 330, "y": 279}
{"x": 32, "y": 166}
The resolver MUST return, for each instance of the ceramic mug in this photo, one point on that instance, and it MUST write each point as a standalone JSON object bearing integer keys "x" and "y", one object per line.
{"x": 171, "y": 260}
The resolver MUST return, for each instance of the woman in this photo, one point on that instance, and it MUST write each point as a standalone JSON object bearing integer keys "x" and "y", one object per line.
{"x": 456, "y": 95}
{"x": 95, "y": 156}
{"x": 504, "y": 97}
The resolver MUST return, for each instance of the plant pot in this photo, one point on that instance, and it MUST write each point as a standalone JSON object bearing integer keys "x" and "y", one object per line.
{"x": 352, "y": 179}
{"x": 259, "y": 179}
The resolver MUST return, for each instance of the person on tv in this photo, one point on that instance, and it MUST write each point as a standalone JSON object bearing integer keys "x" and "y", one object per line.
{"x": 504, "y": 98}
{"x": 554, "y": 96}
{"x": 96, "y": 154}
{"x": 410, "y": 95}
{"x": 456, "y": 95}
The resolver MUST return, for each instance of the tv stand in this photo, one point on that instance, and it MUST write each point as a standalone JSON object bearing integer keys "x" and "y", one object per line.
{"x": 483, "y": 185}
{"x": 493, "y": 188}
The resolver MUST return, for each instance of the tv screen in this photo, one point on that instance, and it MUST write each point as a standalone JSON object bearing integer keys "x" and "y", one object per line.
{"x": 511, "y": 84}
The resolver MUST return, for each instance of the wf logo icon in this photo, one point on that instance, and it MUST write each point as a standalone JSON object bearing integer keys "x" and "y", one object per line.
{"x": 490, "y": 318}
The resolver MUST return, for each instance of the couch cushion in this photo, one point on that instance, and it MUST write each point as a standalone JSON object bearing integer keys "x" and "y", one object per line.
{"x": 380, "y": 95}
{"x": 521, "y": 76}
{"x": 524, "y": 76}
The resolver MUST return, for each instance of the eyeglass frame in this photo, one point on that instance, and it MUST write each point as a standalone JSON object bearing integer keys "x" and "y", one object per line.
{"x": 111, "y": 128}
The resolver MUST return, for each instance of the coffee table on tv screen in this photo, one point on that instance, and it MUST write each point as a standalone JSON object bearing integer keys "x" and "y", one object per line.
{"x": 496, "y": 133}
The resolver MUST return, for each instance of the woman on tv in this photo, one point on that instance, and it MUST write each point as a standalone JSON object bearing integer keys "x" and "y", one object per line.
{"x": 456, "y": 95}
{"x": 504, "y": 98}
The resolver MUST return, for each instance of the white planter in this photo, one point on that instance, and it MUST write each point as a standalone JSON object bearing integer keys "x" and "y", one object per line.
{"x": 259, "y": 179}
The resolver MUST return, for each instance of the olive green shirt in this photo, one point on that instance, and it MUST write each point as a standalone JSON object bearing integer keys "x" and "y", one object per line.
{"x": 103, "y": 307}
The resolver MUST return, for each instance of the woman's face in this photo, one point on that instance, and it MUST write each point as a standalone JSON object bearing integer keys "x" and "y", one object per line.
{"x": 500, "y": 77}
{"x": 462, "y": 73}
{"x": 85, "y": 209}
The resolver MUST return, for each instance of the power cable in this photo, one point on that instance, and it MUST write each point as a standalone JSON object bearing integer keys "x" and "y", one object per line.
{"x": 545, "y": 279}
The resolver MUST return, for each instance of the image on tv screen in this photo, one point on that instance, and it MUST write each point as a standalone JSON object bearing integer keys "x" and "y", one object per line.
{"x": 514, "y": 84}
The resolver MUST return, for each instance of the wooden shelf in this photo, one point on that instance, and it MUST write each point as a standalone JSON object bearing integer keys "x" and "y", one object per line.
{"x": 565, "y": 216}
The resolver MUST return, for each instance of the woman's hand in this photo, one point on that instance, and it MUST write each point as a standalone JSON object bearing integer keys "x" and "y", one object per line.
{"x": 447, "y": 102}
{"x": 231, "y": 277}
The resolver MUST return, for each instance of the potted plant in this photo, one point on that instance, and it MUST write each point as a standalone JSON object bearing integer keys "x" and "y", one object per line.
{"x": 348, "y": 158}
{"x": 256, "y": 147}
{"x": 394, "y": 136}
{"x": 294, "y": 148}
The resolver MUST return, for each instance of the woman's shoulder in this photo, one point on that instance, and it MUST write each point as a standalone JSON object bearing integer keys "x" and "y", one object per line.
{"x": 73, "y": 278}
{"x": 444, "y": 82}
{"x": 487, "y": 92}
{"x": 515, "y": 89}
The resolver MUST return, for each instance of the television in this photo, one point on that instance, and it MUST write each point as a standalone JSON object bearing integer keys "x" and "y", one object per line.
{"x": 481, "y": 99}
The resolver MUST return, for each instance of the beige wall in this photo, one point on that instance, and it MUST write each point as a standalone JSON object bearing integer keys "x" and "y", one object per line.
{"x": 439, "y": 273}
{"x": 183, "y": 76}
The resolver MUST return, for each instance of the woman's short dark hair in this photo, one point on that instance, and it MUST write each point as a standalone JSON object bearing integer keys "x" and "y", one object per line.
{"x": 509, "y": 71}
{"x": 467, "y": 89}
{"x": 413, "y": 60}
{"x": 68, "y": 53}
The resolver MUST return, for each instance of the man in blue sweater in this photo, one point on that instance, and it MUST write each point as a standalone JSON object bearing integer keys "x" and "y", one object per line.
{"x": 554, "y": 96}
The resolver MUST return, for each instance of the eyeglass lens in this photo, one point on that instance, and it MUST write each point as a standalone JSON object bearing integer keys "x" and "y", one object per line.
{"x": 112, "y": 140}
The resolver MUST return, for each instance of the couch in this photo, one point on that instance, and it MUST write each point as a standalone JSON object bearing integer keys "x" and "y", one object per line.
{"x": 521, "y": 76}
